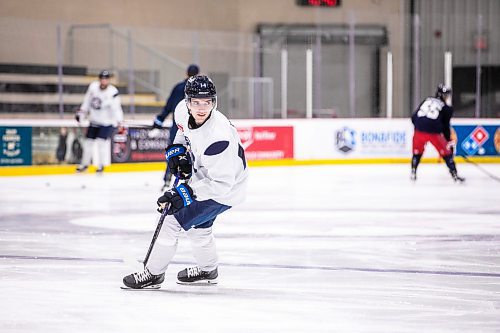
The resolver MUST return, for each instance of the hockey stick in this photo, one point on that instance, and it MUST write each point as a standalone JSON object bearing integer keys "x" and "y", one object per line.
{"x": 158, "y": 227}
{"x": 480, "y": 168}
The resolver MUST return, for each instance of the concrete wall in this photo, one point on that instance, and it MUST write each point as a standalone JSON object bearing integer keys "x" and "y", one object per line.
{"x": 172, "y": 26}
{"x": 179, "y": 14}
{"x": 225, "y": 15}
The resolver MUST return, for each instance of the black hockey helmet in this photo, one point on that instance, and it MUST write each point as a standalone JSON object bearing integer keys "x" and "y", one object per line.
{"x": 443, "y": 91}
{"x": 192, "y": 70}
{"x": 200, "y": 86}
{"x": 105, "y": 74}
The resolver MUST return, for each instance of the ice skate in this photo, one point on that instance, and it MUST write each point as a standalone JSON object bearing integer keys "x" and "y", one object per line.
{"x": 196, "y": 276}
{"x": 413, "y": 176}
{"x": 82, "y": 168}
{"x": 143, "y": 280}
{"x": 456, "y": 177}
{"x": 100, "y": 169}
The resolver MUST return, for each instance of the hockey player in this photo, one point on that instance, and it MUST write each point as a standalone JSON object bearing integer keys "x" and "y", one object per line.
{"x": 207, "y": 154}
{"x": 432, "y": 124}
{"x": 102, "y": 106}
{"x": 176, "y": 96}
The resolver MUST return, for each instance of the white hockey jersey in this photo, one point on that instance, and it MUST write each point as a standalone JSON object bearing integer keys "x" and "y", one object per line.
{"x": 220, "y": 170}
{"x": 103, "y": 107}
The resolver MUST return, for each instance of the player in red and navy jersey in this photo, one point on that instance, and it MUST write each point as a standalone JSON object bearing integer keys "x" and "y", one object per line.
{"x": 432, "y": 124}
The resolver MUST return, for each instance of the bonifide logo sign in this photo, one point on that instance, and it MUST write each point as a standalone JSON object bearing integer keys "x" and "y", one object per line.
{"x": 345, "y": 140}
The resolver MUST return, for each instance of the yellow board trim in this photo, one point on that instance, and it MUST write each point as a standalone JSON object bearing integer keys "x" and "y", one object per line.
{"x": 33, "y": 170}
{"x": 292, "y": 162}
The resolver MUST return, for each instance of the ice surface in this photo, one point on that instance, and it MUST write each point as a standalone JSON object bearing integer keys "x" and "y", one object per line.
{"x": 354, "y": 248}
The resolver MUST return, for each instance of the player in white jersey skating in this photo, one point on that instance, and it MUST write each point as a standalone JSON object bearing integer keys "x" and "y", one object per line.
{"x": 102, "y": 106}
{"x": 207, "y": 154}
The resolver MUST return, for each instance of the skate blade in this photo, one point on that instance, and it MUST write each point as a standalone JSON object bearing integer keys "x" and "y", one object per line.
{"x": 198, "y": 283}
{"x": 152, "y": 287}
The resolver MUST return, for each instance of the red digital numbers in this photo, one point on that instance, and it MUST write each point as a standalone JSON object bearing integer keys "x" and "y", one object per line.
{"x": 330, "y": 3}
{"x": 319, "y": 3}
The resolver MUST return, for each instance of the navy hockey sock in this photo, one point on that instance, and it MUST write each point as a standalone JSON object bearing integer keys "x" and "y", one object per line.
{"x": 450, "y": 163}
{"x": 415, "y": 161}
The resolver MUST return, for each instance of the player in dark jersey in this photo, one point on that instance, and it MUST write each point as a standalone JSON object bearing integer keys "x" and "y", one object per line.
{"x": 176, "y": 96}
{"x": 432, "y": 124}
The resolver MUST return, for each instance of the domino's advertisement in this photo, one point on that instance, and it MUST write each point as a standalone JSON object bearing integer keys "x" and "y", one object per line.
{"x": 480, "y": 140}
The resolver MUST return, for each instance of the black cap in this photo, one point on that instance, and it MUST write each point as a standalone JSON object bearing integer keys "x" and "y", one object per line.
{"x": 193, "y": 70}
{"x": 105, "y": 74}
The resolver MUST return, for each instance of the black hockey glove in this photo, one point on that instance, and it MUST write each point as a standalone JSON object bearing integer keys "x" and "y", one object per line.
{"x": 175, "y": 199}
{"x": 79, "y": 115}
{"x": 157, "y": 123}
{"x": 179, "y": 162}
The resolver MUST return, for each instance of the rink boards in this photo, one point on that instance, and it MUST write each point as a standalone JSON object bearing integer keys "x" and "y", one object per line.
{"x": 35, "y": 146}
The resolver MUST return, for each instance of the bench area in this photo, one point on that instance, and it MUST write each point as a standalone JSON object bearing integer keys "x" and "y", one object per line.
{"x": 33, "y": 89}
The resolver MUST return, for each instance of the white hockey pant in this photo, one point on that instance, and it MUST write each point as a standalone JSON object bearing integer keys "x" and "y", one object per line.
{"x": 202, "y": 243}
{"x": 97, "y": 150}
{"x": 103, "y": 152}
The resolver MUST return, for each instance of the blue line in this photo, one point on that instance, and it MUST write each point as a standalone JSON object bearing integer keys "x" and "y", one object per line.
{"x": 323, "y": 268}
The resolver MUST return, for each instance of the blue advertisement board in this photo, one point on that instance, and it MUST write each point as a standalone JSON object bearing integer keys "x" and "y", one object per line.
{"x": 16, "y": 146}
{"x": 477, "y": 140}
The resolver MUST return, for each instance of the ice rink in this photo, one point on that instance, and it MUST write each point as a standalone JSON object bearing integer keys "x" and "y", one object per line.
{"x": 339, "y": 248}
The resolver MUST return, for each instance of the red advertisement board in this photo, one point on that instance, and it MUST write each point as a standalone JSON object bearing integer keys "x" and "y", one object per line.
{"x": 267, "y": 142}
{"x": 259, "y": 142}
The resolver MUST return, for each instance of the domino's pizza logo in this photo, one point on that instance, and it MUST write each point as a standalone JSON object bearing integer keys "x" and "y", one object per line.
{"x": 473, "y": 143}
{"x": 345, "y": 140}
